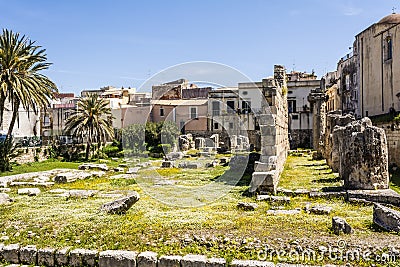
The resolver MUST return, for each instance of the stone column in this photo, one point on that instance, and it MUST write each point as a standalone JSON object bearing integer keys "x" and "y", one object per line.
{"x": 317, "y": 98}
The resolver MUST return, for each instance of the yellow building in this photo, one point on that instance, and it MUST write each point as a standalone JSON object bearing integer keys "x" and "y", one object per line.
{"x": 378, "y": 52}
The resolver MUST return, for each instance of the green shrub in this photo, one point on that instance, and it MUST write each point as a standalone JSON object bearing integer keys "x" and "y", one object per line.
{"x": 111, "y": 151}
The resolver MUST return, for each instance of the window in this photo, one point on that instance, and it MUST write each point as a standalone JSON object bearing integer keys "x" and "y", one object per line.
{"x": 295, "y": 117}
{"x": 231, "y": 125}
{"x": 46, "y": 121}
{"x": 66, "y": 115}
{"x": 161, "y": 112}
{"x": 216, "y": 125}
{"x": 347, "y": 82}
{"x": 216, "y": 111}
{"x": 193, "y": 112}
{"x": 354, "y": 78}
{"x": 292, "y": 106}
{"x": 389, "y": 48}
{"x": 246, "y": 106}
{"x": 231, "y": 106}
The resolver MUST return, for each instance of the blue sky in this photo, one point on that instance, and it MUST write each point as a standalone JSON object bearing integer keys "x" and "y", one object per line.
{"x": 94, "y": 43}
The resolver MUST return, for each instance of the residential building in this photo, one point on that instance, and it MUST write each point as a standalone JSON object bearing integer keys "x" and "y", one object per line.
{"x": 377, "y": 51}
{"x": 299, "y": 86}
{"x": 180, "y": 102}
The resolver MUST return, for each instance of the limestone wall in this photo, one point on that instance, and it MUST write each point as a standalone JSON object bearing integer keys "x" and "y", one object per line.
{"x": 393, "y": 140}
{"x": 15, "y": 254}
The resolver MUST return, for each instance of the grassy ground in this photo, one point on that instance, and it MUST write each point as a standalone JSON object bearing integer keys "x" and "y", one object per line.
{"x": 217, "y": 228}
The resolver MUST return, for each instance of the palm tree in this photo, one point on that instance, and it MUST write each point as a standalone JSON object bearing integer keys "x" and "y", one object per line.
{"x": 91, "y": 120}
{"x": 20, "y": 80}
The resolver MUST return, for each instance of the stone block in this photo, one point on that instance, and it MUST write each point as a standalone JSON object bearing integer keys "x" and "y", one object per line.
{"x": 251, "y": 263}
{"x": 386, "y": 218}
{"x": 274, "y": 199}
{"x": 169, "y": 261}
{"x": 11, "y": 253}
{"x": 61, "y": 257}
{"x": 363, "y": 155}
{"x": 339, "y": 225}
{"x": 117, "y": 258}
{"x": 264, "y": 181}
{"x": 29, "y": 191}
{"x": 147, "y": 259}
{"x": 46, "y": 257}
{"x": 83, "y": 257}
{"x": 321, "y": 210}
{"x": 216, "y": 262}
{"x": 28, "y": 255}
{"x": 194, "y": 261}
{"x": 122, "y": 205}
{"x": 247, "y": 206}
{"x": 5, "y": 199}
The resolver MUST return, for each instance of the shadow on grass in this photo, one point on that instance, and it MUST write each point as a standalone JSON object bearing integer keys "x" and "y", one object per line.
{"x": 327, "y": 180}
{"x": 313, "y": 164}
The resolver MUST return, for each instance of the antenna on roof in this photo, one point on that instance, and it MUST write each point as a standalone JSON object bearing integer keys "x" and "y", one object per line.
{"x": 393, "y": 9}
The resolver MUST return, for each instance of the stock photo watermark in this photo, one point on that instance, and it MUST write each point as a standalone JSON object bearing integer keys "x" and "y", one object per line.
{"x": 338, "y": 253}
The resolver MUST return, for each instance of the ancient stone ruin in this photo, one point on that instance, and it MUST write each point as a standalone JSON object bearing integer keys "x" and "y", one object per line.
{"x": 363, "y": 157}
{"x": 274, "y": 134}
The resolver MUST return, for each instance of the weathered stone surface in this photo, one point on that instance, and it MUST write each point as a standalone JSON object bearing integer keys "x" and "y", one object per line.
{"x": 330, "y": 147}
{"x": 61, "y": 257}
{"x": 284, "y": 212}
{"x": 188, "y": 165}
{"x": 117, "y": 258}
{"x": 46, "y": 257}
{"x": 321, "y": 210}
{"x": 251, "y": 263}
{"x": 274, "y": 199}
{"x": 11, "y": 253}
{"x": 339, "y": 225}
{"x": 385, "y": 196}
{"x": 93, "y": 166}
{"x": 69, "y": 177}
{"x": 175, "y": 155}
{"x": 169, "y": 261}
{"x": 194, "y": 261}
{"x": 386, "y": 218}
{"x": 167, "y": 164}
{"x": 77, "y": 193}
{"x": 216, "y": 262}
{"x": 363, "y": 155}
{"x": 83, "y": 257}
{"x": 328, "y": 195}
{"x": 5, "y": 199}
{"x": 122, "y": 205}
{"x": 28, "y": 255}
{"x": 264, "y": 181}
{"x": 147, "y": 259}
{"x": 247, "y": 206}
{"x": 29, "y": 191}
{"x": 134, "y": 170}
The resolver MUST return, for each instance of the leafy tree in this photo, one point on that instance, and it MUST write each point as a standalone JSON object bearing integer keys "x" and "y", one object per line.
{"x": 21, "y": 60}
{"x": 91, "y": 121}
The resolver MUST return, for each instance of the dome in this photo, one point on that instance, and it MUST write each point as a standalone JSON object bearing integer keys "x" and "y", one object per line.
{"x": 391, "y": 19}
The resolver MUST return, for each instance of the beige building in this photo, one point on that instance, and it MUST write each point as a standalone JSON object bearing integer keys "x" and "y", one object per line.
{"x": 190, "y": 115}
{"x": 299, "y": 86}
{"x": 377, "y": 50}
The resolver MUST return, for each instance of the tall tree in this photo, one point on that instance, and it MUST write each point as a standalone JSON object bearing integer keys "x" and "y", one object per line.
{"x": 91, "y": 121}
{"x": 21, "y": 60}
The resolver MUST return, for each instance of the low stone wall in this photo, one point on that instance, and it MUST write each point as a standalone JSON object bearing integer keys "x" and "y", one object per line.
{"x": 30, "y": 255}
{"x": 393, "y": 141}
